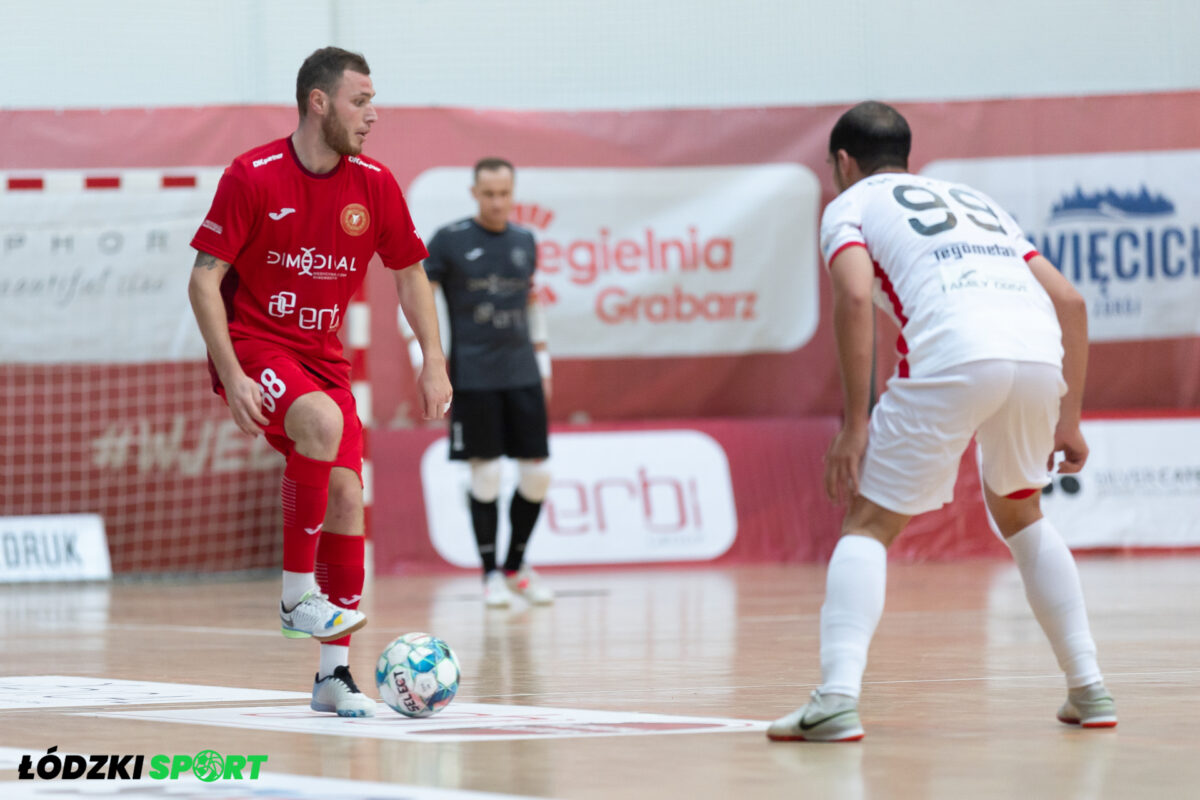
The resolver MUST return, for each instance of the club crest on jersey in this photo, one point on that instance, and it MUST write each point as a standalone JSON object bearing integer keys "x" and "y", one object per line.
{"x": 355, "y": 219}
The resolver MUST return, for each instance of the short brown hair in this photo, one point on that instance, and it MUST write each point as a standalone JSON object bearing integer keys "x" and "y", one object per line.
{"x": 323, "y": 69}
{"x": 491, "y": 163}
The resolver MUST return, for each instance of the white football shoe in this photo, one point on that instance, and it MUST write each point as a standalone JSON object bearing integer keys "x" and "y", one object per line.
{"x": 528, "y": 584}
{"x": 826, "y": 718}
{"x": 495, "y": 590}
{"x": 315, "y": 616}
{"x": 338, "y": 694}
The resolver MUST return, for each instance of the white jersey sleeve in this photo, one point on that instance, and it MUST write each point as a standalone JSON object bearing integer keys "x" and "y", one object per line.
{"x": 841, "y": 227}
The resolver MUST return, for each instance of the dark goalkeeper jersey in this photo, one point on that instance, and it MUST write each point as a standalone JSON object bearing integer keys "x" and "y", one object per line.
{"x": 487, "y": 278}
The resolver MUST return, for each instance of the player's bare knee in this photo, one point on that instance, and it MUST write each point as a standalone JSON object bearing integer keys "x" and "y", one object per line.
{"x": 1014, "y": 512}
{"x": 865, "y": 518}
{"x": 345, "y": 497}
{"x": 326, "y": 434}
{"x": 343, "y": 513}
{"x": 534, "y": 479}
{"x": 485, "y": 479}
{"x": 314, "y": 423}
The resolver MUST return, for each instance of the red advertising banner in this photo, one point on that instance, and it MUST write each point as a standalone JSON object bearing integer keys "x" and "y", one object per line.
{"x": 758, "y": 380}
{"x": 678, "y": 250}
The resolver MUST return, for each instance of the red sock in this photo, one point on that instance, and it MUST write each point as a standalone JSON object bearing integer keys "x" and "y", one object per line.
{"x": 340, "y": 571}
{"x": 304, "y": 493}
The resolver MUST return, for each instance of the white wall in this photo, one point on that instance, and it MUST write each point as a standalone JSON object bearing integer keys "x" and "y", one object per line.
{"x": 571, "y": 54}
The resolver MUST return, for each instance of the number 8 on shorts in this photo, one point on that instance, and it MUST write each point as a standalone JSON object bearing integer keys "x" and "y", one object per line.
{"x": 273, "y": 388}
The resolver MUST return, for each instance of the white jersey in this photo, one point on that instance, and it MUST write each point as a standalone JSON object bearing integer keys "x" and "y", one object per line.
{"x": 950, "y": 269}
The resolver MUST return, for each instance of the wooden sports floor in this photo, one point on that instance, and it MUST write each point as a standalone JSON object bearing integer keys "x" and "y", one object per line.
{"x": 959, "y": 701}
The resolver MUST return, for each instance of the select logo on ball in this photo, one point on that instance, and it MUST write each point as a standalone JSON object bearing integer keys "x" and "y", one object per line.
{"x": 355, "y": 219}
{"x": 417, "y": 675}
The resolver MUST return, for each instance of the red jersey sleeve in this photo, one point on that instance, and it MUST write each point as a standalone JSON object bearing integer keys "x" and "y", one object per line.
{"x": 230, "y": 220}
{"x": 398, "y": 245}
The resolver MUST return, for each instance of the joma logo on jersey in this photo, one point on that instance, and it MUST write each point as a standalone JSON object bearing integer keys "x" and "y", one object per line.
{"x": 308, "y": 261}
{"x": 355, "y": 219}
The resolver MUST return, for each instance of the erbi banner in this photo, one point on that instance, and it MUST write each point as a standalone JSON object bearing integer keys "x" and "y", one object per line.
{"x": 616, "y": 497}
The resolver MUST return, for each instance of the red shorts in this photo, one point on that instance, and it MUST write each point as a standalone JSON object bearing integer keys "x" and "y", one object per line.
{"x": 283, "y": 378}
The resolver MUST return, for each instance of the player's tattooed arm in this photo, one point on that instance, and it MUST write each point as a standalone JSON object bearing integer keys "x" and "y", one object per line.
{"x": 210, "y": 262}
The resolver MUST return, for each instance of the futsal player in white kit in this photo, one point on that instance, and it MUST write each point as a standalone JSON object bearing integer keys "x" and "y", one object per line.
{"x": 993, "y": 344}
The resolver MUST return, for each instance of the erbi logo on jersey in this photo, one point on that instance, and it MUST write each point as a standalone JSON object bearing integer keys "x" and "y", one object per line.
{"x": 309, "y": 318}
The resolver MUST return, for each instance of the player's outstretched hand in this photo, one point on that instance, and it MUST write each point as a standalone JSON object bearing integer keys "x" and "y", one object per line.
{"x": 1069, "y": 441}
{"x": 842, "y": 462}
{"x": 434, "y": 387}
{"x": 245, "y": 404}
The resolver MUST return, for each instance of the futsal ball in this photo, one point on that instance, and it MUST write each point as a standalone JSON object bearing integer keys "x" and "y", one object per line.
{"x": 417, "y": 675}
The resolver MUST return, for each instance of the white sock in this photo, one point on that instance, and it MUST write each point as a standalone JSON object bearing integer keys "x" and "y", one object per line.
{"x": 295, "y": 586}
{"x": 332, "y": 657}
{"x": 1056, "y": 597}
{"x": 854, "y": 592}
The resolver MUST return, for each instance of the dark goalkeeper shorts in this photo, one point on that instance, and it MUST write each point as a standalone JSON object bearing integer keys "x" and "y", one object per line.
{"x": 499, "y": 422}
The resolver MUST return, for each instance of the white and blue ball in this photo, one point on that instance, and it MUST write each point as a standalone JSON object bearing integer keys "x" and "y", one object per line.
{"x": 417, "y": 674}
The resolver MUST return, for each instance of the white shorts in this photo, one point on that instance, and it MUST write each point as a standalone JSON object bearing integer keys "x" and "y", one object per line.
{"x": 921, "y": 427}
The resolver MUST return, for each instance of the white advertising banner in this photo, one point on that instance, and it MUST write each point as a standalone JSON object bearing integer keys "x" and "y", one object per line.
{"x": 616, "y": 497}
{"x": 647, "y": 262}
{"x": 1140, "y": 487}
{"x": 62, "y": 547}
{"x": 99, "y": 275}
{"x": 1123, "y": 227}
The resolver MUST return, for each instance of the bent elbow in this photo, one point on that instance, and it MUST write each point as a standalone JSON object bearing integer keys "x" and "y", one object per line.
{"x": 1072, "y": 302}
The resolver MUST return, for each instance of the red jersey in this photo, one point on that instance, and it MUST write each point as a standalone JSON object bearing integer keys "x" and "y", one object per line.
{"x": 300, "y": 243}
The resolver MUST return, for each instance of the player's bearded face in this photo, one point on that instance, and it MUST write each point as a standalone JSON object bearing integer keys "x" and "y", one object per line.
{"x": 337, "y": 135}
{"x": 349, "y": 114}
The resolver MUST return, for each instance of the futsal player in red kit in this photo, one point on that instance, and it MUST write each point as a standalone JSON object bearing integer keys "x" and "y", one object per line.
{"x": 286, "y": 244}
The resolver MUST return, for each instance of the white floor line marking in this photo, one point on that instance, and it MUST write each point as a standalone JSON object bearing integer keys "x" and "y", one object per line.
{"x": 743, "y": 687}
{"x": 460, "y": 722}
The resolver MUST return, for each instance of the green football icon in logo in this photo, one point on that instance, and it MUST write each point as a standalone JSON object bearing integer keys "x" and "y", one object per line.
{"x": 208, "y": 765}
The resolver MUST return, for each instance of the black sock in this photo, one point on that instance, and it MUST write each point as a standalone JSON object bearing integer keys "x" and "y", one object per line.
{"x": 483, "y": 519}
{"x": 523, "y": 515}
